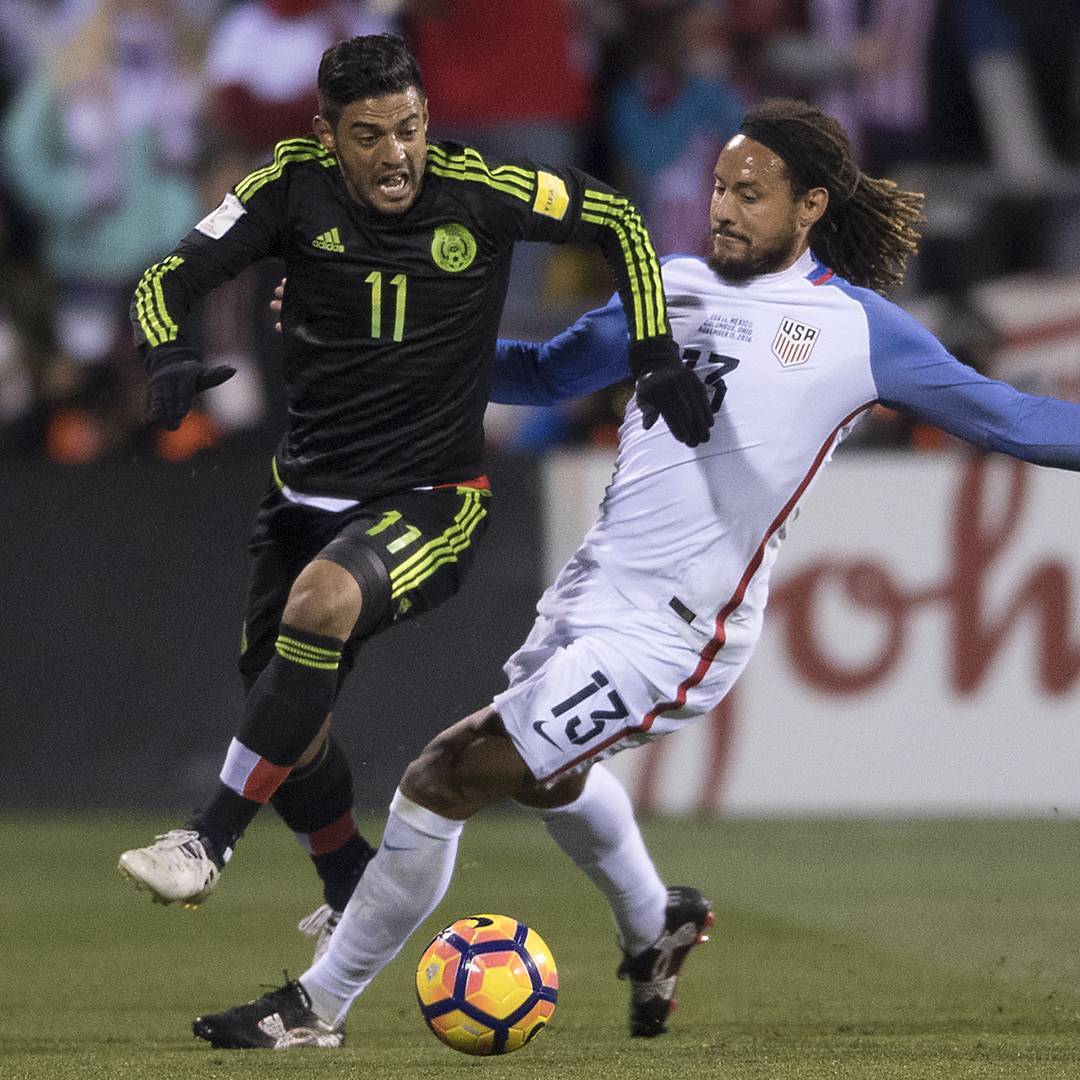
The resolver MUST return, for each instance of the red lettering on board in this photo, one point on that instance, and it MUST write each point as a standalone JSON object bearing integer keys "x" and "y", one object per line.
{"x": 980, "y": 535}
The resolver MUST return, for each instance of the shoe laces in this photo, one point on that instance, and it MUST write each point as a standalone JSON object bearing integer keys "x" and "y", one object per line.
{"x": 175, "y": 838}
{"x": 322, "y": 918}
{"x": 187, "y": 844}
{"x": 188, "y": 847}
{"x": 286, "y": 987}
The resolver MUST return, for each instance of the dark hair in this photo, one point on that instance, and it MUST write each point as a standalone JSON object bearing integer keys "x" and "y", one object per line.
{"x": 363, "y": 67}
{"x": 869, "y": 229}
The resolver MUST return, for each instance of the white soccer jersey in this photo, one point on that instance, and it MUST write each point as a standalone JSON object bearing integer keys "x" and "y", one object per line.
{"x": 692, "y": 532}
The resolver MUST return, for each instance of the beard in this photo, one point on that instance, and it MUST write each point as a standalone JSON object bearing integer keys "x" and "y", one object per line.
{"x": 765, "y": 261}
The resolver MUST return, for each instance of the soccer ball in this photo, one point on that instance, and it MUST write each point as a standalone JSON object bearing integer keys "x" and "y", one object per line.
{"x": 487, "y": 984}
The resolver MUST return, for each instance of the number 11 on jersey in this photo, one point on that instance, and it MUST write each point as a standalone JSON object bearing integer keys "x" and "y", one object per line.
{"x": 400, "y": 283}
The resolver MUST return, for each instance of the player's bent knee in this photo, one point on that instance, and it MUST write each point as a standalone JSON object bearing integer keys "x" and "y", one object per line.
{"x": 324, "y": 599}
{"x": 350, "y": 551}
{"x": 548, "y": 796}
{"x": 430, "y": 782}
{"x": 465, "y": 768}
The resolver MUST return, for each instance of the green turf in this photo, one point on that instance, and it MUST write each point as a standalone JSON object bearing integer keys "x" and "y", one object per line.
{"x": 842, "y": 949}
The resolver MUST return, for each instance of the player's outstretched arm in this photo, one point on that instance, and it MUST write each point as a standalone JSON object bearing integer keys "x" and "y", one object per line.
{"x": 585, "y": 358}
{"x": 592, "y": 354}
{"x": 161, "y": 312}
{"x": 914, "y": 372}
{"x": 242, "y": 230}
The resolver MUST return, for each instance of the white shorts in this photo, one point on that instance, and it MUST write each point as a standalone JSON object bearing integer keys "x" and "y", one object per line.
{"x": 597, "y": 674}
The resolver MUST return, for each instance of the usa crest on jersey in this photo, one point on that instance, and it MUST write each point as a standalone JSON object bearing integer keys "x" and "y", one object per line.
{"x": 794, "y": 342}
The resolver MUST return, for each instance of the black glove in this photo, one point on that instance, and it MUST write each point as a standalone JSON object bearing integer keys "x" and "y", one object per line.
{"x": 667, "y": 387}
{"x": 173, "y": 384}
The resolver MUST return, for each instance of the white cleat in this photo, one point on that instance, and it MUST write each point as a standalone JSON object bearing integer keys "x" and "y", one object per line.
{"x": 176, "y": 866}
{"x": 320, "y": 925}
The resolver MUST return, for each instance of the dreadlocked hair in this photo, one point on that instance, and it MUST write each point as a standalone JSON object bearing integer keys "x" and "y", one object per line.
{"x": 869, "y": 229}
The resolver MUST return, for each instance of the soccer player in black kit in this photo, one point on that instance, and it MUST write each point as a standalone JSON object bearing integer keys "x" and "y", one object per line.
{"x": 397, "y": 253}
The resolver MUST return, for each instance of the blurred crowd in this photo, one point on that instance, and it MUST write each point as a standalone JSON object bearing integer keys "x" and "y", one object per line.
{"x": 122, "y": 122}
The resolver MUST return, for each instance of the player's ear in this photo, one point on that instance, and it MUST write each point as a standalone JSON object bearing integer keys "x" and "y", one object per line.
{"x": 324, "y": 133}
{"x": 812, "y": 205}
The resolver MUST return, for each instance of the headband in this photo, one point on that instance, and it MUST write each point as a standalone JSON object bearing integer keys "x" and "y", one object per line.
{"x": 802, "y": 165}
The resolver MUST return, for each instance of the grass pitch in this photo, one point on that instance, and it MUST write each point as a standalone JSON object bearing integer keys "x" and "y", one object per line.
{"x": 900, "y": 950}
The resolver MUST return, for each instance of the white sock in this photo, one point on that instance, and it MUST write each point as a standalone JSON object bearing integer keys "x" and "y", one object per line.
{"x": 598, "y": 831}
{"x": 401, "y": 886}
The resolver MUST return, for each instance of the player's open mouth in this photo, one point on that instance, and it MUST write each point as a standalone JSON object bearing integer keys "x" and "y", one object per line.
{"x": 394, "y": 187}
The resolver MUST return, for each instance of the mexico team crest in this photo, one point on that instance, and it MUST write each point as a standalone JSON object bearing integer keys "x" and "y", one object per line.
{"x": 794, "y": 342}
{"x": 453, "y": 247}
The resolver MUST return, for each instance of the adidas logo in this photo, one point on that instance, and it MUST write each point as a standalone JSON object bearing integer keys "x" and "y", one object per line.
{"x": 329, "y": 241}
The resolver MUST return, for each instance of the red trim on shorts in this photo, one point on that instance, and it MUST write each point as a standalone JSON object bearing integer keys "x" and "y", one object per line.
{"x": 264, "y": 780}
{"x": 708, "y": 653}
{"x": 480, "y": 482}
{"x": 331, "y": 837}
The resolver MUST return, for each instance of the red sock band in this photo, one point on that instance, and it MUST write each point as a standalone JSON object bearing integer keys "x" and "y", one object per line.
{"x": 250, "y": 775}
{"x": 331, "y": 837}
{"x": 264, "y": 780}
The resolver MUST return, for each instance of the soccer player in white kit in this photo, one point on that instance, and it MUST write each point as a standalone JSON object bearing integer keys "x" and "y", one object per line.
{"x": 656, "y": 615}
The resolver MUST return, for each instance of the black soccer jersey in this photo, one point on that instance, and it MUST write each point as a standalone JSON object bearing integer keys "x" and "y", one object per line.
{"x": 390, "y": 322}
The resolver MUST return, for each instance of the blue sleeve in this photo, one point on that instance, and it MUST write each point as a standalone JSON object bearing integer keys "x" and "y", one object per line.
{"x": 592, "y": 354}
{"x": 914, "y": 372}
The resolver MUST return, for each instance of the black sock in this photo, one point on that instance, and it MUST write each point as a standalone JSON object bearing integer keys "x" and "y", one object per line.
{"x": 316, "y": 803}
{"x": 282, "y": 715}
{"x": 340, "y": 870}
{"x": 223, "y": 822}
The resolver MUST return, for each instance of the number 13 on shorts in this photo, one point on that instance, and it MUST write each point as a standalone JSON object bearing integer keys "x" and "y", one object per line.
{"x": 587, "y": 722}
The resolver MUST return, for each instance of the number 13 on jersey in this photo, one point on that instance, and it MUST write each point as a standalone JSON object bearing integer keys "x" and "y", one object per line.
{"x": 399, "y": 283}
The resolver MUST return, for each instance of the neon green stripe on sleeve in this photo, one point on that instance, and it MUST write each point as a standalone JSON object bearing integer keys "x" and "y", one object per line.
{"x": 631, "y": 268}
{"x": 155, "y": 321}
{"x": 627, "y": 223}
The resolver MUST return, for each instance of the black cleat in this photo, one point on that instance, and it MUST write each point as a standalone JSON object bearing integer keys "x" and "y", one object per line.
{"x": 280, "y": 1020}
{"x": 654, "y": 972}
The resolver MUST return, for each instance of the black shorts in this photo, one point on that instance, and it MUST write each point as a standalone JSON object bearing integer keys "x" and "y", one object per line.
{"x": 425, "y": 540}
